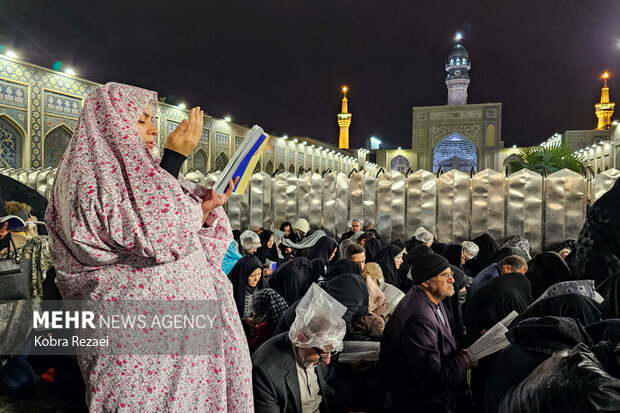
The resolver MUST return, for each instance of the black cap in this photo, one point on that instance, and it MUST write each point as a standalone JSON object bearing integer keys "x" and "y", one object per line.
{"x": 425, "y": 264}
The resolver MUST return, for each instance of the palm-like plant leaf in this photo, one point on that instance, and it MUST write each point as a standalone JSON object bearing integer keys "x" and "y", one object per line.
{"x": 552, "y": 158}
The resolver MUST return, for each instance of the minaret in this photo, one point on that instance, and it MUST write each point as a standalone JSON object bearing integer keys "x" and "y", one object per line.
{"x": 604, "y": 109}
{"x": 344, "y": 121}
{"x": 457, "y": 80}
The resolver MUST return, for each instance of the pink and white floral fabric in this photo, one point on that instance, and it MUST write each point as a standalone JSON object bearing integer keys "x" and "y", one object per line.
{"x": 122, "y": 228}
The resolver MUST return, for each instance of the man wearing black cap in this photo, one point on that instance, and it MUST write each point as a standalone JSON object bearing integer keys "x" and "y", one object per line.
{"x": 418, "y": 351}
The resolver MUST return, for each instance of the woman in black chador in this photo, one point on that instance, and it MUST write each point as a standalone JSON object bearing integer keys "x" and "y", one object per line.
{"x": 598, "y": 247}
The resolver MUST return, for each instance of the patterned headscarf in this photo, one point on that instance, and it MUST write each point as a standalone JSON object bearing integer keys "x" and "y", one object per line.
{"x": 269, "y": 305}
{"x": 110, "y": 192}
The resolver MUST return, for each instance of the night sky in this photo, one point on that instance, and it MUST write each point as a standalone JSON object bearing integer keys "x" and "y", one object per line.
{"x": 281, "y": 64}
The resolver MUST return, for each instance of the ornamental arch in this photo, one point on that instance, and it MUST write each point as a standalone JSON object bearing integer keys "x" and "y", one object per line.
{"x": 55, "y": 144}
{"x": 455, "y": 151}
{"x": 11, "y": 143}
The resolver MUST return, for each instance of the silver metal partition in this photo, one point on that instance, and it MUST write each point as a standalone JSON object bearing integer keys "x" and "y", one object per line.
{"x": 565, "y": 206}
{"x": 488, "y": 197}
{"x": 453, "y": 205}
{"x": 524, "y": 207}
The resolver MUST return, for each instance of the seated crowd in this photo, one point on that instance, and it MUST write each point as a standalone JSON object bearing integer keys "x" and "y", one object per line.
{"x": 358, "y": 324}
{"x": 354, "y": 323}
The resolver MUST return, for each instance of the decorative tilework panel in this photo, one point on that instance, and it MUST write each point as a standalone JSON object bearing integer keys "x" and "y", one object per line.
{"x": 300, "y": 157}
{"x": 19, "y": 116}
{"x": 205, "y": 136}
{"x": 171, "y": 126}
{"x": 62, "y": 104}
{"x": 53, "y": 121}
{"x": 55, "y": 144}
{"x": 238, "y": 142}
{"x": 13, "y": 94}
{"x": 221, "y": 139}
{"x": 281, "y": 154}
{"x": 11, "y": 144}
{"x": 323, "y": 163}
{"x": 329, "y": 164}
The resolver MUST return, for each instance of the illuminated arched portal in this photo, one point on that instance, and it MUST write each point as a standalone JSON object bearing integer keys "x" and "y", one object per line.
{"x": 455, "y": 152}
{"x": 400, "y": 164}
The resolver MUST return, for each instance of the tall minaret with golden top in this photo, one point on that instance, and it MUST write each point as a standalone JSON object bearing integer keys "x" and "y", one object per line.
{"x": 344, "y": 121}
{"x": 605, "y": 108}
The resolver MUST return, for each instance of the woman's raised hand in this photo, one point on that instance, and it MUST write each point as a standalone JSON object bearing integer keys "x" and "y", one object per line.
{"x": 186, "y": 136}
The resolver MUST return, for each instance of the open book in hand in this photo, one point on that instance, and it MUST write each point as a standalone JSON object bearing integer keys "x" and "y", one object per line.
{"x": 243, "y": 162}
{"x": 493, "y": 340}
{"x": 393, "y": 296}
{"x": 16, "y": 223}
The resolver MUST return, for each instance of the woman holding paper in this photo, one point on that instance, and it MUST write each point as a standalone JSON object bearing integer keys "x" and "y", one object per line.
{"x": 123, "y": 227}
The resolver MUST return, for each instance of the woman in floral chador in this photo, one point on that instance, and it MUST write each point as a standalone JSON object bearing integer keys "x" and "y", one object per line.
{"x": 123, "y": 227}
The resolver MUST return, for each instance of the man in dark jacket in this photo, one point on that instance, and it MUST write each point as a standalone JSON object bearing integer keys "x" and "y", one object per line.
{"x": 288, "y": 371}
{"x": 418, "y": 353}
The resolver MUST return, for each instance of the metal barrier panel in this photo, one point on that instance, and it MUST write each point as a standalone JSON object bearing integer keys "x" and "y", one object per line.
{"x": 303, "y": 195}
{"x": 369, "y": 195}
{"x": 397, "y": 214}
{"x": 22, "y": 176}
{"x": 245, "y": 210}
{"x": 291, "y": 197}
{"x": 316, "y": 201}
{"x": 329, "y": 202}
{"x": 604, "y": 181}
{"x": 51, "y": 177}
{"x": 565, "y": 206}
{"x": 31, "y": 179}
{"x": 212, "y": 178}
{"x": 453, "y": 207}
{"x": 356, "y": 208}
{"x": 279, "y": 199}
{"x": 384, "y": 205}
{"x": 342, "y": 203}
{"x": 488, "y": 199}
{"x": 196, "y": 177}
{"x": 15, "y": 174}
{"x": 234, "y": 211}
{"x": 524, "y": 212}
{"x": 260, "y": 188}
{"x": 41, "y": 184}
{"x": 421, "y": 202}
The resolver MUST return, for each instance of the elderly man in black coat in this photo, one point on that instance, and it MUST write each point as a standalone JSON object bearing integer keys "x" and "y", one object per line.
{"x": 288, "y": 371}
{"x": 418, "y": 352}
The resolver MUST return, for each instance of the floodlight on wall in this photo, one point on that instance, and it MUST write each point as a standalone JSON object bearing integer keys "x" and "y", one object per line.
{"x": 286, "y": 137}
{"x": 11, "y": 53}
{"x": 295, "y": 140}
{"x": 182, "y": 105}
{"x": 227, "y": 119}
{"x": 70, "y": 71}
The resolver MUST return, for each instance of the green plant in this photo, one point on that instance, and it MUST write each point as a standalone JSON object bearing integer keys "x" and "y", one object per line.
{"x": 552, "y": 158}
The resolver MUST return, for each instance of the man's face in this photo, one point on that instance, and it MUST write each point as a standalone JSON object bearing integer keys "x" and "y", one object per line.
{"x": 360, "y": 259}
{"x": 355, "y": 226}
{"x": 308, "y": 357}
{"x": 442, "y": 286}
